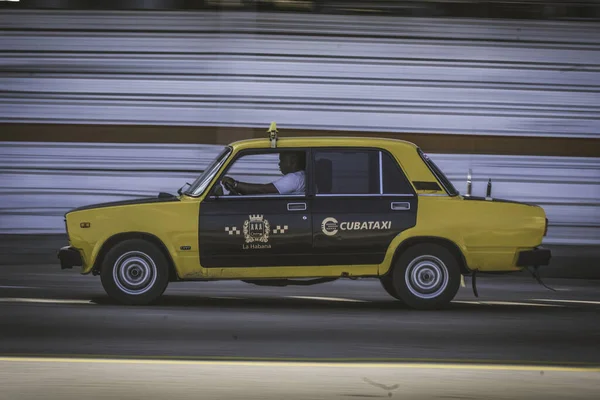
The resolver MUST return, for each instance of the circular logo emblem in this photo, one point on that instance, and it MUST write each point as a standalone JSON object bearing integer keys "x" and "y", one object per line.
{"x": 329, "y": 226}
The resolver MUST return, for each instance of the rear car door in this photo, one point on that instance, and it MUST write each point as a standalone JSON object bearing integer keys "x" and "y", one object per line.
{"x": 362, "y": 200}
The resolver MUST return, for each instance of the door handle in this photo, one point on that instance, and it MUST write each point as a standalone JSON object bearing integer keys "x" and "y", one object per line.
{"x": 296, "y": 206}
{"x": 400, "y": 205}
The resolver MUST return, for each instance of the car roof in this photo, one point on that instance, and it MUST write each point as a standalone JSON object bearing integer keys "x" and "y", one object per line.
{"x": 324, "y": 141}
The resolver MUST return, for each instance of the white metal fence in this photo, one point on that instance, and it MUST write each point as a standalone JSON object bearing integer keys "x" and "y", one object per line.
{"x": 455, "y": 76}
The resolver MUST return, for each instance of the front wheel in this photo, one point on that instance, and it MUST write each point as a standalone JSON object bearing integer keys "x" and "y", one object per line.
{"x": 135, "y": 272}
{"x": 426, "y": 276}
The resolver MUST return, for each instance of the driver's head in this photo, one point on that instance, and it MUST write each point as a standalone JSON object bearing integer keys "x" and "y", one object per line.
{"x": 291, "y": 162}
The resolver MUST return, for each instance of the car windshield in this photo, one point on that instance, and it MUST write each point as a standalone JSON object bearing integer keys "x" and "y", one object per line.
{"x": 439, "y": 174}
{"x": 200, "y": 184}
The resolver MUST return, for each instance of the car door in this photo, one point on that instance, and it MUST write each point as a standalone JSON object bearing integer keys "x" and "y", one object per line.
{"x": 254, "y": 230}
{"x": 362, "y": 201}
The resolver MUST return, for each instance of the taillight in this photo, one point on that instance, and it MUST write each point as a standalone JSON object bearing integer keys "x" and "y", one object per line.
{"x": 546, "y": 227}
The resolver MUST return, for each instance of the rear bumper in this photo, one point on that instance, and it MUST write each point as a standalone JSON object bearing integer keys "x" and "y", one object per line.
{"x": 69, "y": 257}
{"x": 533, "y": 258}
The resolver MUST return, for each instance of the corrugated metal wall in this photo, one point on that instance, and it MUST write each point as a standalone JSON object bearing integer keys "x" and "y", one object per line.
{"x": 39, "y": 182}
{"x": 303, "y": 70}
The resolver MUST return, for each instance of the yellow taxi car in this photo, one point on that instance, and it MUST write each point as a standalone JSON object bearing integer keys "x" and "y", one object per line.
{"x": 279, "y": 211}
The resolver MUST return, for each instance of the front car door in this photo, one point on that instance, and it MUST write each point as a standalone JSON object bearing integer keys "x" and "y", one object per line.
{"x": 362, "y": 201}
{"x": 255, "y": 230}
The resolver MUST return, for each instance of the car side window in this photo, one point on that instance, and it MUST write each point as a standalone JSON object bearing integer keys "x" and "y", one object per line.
{"x": 270, "y": 173}
{"x": 346, "y": 171}
{"x": 394, "y": 180}
{"x": 256, "y": 168}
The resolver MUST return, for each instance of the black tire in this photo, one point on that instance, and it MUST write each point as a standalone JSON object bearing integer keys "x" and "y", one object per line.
{"x": 135, "y": 272}
{"x": 388, "y": 284}
{"x": 426, "y": 276}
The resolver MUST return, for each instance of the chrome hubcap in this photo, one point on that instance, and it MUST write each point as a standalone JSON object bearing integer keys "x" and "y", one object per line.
{"x": 134, "y": 272}
{"x": 426, "y": 277}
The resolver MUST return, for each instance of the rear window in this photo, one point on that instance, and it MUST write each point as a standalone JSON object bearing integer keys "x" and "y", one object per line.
{"x": 448, "y": 186}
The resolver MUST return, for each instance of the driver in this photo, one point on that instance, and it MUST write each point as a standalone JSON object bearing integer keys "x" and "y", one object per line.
{"x": 291, "y": 165}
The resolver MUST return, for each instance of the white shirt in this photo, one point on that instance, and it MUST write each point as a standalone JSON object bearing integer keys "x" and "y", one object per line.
{"x": 292, "y": 183}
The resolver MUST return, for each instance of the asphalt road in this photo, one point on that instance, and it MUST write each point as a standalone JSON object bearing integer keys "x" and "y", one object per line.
{"x": 48, "y": 311}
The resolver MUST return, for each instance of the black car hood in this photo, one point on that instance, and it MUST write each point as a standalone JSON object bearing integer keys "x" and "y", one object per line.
{"x": 162, "y": 198}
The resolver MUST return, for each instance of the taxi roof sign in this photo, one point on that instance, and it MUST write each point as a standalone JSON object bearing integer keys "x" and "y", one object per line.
{"x": 273, "y": 134}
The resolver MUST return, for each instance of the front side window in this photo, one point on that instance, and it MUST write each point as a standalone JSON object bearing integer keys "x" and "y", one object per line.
{"x": 346, "y": 172}
{"x": 265, "y": 173}
{"x": 200, "y": 184}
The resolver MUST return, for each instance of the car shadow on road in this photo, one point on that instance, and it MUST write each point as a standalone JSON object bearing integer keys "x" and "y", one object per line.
{"x": 326, "y": 305}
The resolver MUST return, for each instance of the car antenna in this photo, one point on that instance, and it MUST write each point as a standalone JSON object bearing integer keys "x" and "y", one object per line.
{"x": 273, "y": 134}
{"x": 469, "y": 184}
{"x": 488, "y": 194}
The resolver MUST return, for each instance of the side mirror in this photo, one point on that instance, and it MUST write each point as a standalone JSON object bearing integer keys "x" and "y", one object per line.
{"x": 216, "y": 191}
{"x": 180, "y": 190}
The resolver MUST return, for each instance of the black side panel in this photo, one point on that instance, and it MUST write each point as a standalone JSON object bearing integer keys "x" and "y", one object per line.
{"x": 358, "y": 230}
{"x": 254, "y": 232}
{"x": 126, "y": 202}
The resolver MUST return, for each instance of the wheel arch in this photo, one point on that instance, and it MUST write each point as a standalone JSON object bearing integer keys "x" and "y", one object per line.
{"x": 446, "y": 243}
{"x": 121, "y": 237}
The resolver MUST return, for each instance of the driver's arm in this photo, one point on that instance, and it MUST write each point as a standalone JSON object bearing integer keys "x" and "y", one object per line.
{"x": 251, "y": 188}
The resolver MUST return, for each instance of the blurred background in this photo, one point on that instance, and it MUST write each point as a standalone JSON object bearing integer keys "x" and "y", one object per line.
{"x": 106, "y": 100}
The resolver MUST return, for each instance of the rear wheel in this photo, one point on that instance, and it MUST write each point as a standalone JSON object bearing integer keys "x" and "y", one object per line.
{"x": 426, "y": 276}
{"x": 135, "y": 272}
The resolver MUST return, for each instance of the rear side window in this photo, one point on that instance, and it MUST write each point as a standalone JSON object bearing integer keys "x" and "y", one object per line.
{"x": 346, "y": 172}
{"x": 394, "y": 180}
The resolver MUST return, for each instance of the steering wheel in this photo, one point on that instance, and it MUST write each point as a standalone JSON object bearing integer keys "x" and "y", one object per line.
{"x": 231, "y": 188}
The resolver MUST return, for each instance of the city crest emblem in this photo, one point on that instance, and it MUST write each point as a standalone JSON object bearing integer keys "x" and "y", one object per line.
{"x": 256, "y": 229}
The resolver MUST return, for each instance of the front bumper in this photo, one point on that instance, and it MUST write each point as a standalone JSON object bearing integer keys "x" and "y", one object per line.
{"x": 534, "y": 258}
{"x": 69, "y": 257}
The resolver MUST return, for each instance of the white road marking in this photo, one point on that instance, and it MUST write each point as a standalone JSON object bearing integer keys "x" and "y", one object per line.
{"x": 506, "y": 303}
{"x": 515, "y": 303}
{"x": 569, "y": 301}
{"x": 44, "y": 301}
{"x": 18, "y": 287}
{"x": 326, "y": 299}
{"x": 283, "y": 362}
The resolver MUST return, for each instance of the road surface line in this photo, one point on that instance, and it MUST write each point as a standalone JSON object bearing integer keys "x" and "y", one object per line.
{"x": 318, "y": 360}
{"x": 43, "y": 301}
{"x": 505, "y": 303}
{"x": 326, "y": 298}
{"x": 569, "y": 301}
{"x": 304, "y": 364}
{"x": 19, "y": 287}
